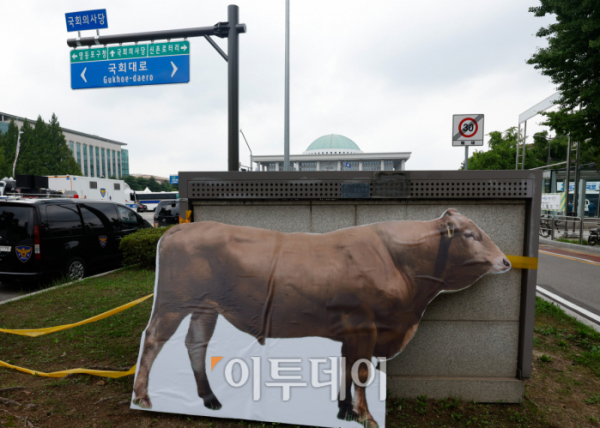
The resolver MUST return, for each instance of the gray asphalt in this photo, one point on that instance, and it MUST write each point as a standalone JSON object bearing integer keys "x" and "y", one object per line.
{"x": 576, "y": 281}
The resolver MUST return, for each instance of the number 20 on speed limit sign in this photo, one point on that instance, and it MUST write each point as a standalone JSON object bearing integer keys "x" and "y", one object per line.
{"x": 467, "y": 130}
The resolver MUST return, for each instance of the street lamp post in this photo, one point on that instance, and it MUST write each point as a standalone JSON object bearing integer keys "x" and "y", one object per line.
{"x": 17, "y": 151}
{"x": 251, "y": 166}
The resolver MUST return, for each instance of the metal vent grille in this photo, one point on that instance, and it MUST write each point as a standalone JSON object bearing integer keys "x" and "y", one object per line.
{"x": 471, "y": 189}
{"x": 331, "y": 189}
{"x": 264, "y": 189}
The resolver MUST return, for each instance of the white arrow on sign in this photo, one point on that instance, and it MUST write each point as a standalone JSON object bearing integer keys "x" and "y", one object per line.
{"x": 184, "y": 48}
{"x": 112, "y": 54}
{"x": 74, "y": 56}
{"x": 174, "y": 69}
{"x": 83, "y": 75}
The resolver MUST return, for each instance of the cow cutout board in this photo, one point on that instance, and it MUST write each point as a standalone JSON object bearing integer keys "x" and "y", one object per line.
{"x": 296, "y": 328}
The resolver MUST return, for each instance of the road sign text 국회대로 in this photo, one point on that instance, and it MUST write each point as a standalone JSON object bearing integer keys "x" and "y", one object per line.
{"x": 133, "y": 65}
{"x": 131, "y": 72}
{"x": 86, "y": 20}
{"x": 467, "y": 130}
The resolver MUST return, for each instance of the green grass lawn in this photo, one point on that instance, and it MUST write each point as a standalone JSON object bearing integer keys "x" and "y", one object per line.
{"x": 564, "y": 390}
{"x": 113, "y": 341}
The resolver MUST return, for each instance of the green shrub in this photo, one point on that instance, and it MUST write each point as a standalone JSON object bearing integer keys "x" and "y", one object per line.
{"x": 140, "y": 247}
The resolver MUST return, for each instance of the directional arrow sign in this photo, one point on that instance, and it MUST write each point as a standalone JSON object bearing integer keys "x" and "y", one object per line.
{"x": 86, "y": 55}
{"x": 135, "y": 65}
{"x": 131, "y": 72}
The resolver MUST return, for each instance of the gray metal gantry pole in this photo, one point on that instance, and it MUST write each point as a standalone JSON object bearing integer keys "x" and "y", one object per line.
{"x": 233, "y": 89}
{"x": 286, "y": 125}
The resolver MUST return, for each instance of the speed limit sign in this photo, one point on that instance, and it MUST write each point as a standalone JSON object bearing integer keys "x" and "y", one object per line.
{"x": 467, "y": 130}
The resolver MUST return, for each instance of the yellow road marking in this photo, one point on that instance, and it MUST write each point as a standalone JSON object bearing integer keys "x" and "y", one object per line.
{"x": 577, "y": 259}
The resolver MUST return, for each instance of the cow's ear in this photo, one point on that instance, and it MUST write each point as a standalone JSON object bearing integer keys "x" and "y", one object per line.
{"x": 450, "y": 212}
{"x": 447, "y": 229}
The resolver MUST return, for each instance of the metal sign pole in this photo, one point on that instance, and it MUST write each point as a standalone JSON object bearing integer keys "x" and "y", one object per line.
{"x": 466, "y": 158}
{"x": 233, "y": 89}
{"x": 286, "y": 131}
{"x": 567, "y": 178}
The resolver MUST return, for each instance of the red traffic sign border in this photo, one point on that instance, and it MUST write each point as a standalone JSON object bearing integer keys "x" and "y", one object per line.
{"x": 463, "y": 121}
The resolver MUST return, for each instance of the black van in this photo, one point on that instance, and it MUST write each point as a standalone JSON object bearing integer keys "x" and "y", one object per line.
{"x": 166, "y": 213}
{"x": 42, "y": 238}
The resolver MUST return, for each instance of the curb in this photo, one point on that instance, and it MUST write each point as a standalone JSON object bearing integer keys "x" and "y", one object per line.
{"x": 581, "y": 248}
{"x": 57, "y": 286}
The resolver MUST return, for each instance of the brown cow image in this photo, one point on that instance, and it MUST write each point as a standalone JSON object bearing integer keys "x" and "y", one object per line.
{"x": 366, "y": 287}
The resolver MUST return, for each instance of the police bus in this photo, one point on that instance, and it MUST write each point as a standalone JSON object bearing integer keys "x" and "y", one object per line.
{"x": 151, "y": 199}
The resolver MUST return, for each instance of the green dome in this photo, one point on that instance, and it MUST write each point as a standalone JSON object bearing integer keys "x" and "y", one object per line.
{"x": 333, "y": 142}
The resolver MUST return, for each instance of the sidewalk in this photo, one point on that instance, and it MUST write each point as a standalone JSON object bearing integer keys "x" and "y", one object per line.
{"x": 586, "y": 249}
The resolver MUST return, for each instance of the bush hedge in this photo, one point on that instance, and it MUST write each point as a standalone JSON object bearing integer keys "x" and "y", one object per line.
{"x": 140, "y": 247}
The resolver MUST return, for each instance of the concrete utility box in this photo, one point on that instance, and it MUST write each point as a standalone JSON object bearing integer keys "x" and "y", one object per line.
{"x": 475, "y": 344}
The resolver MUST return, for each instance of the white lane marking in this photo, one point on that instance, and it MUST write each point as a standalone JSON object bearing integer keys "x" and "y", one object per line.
{"x": 569, "y": 305}
{"x": 570, "y": 257}
{"x": 174, "y": 69}
{"x": 83, "y": 75}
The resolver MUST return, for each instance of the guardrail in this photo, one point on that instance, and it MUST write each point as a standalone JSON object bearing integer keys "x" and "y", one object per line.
{"x": 571, "y": 227}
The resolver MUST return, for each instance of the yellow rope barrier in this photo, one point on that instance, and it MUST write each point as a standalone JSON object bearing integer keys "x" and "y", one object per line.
{"x": 520, "y": 262}
{"x": 33, "y": 332}
{"x": 63, "y": 373}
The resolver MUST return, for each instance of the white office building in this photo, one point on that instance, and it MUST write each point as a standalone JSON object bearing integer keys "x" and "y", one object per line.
{"x": 97, "y": 156}
{"x": 334, "y": 153}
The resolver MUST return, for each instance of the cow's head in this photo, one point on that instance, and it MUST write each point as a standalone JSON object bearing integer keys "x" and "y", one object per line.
{"x": 465, "y": 252}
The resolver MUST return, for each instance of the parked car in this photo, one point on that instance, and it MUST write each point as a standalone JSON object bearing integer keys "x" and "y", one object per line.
{"x": 44, "y": 238}
{"x": 167, "y": 213}
{"x": 141, "y": 208}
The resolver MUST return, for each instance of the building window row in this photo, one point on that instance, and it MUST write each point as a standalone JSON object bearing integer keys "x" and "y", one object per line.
{"x": 105, "y": 165}
{"x": 371, "y": 165}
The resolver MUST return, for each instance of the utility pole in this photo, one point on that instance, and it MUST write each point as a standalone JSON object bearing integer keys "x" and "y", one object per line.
{"x": 286, "y": 126}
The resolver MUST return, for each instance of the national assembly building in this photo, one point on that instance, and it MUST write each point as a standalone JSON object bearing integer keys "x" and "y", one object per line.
{"x": 334, "y": 153}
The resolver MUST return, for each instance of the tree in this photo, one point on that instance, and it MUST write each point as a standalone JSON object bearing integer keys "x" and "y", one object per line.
{"x": 572, "y": 61}
{"x": 8, "y": 143}
{"x": 44, "y": 150}
{"x": 503, "y": 151}
{"x": 153, "y": 185}
{"x": 132, "y": 182}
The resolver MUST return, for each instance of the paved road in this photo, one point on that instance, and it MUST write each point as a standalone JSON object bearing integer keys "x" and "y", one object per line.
{"x": 571, "y": 275}
{"x": 9, "y": 291}
{"x": 149, "y": 216}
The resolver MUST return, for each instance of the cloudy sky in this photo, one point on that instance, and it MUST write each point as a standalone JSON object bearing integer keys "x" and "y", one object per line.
{"x": 387, "y": 74}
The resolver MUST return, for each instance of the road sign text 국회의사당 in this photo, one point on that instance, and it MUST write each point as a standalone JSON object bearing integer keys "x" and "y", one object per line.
{"x": 467, "y": 130}
{"x": 134, "y": 65}
{"x": 86, "y": 20}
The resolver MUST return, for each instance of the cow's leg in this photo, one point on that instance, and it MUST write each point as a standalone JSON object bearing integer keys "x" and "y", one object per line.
{"x": 161, "y": 328}
{"x": 346, "y": 412}
{"x": 201, "y": 330}
{"x": 361, "y": 346}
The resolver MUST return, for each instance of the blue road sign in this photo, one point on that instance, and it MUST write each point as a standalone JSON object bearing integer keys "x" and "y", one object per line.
{"x": 131, "y": 72}
{"x": 174, "y": 179}
{"x": 86, "y": 20}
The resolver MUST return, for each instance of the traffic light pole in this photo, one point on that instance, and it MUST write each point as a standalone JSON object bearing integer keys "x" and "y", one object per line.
{"x": 231, "y": 29}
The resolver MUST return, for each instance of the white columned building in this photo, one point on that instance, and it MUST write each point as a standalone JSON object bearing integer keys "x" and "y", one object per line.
{"x": 334, "y": 153}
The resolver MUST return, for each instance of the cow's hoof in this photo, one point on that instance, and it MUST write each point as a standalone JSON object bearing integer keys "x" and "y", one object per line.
{"x": 347, "y": 414}
{"x": 369, "y": 423}
{"x": 211, "y": 402}
{"x": 143, "y": 402}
